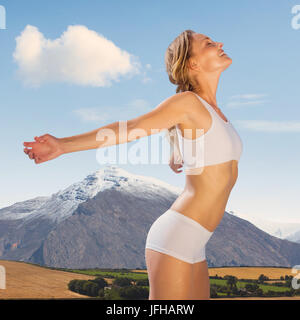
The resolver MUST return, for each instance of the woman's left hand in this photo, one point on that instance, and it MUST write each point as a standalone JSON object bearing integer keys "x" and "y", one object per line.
{"x": 175, "y": 166}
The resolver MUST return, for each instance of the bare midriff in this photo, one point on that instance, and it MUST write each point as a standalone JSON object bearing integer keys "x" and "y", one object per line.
{"x": 205, "y": 195}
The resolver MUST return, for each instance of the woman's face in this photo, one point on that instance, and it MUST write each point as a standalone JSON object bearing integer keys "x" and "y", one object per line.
{"x": 208, "y": 55}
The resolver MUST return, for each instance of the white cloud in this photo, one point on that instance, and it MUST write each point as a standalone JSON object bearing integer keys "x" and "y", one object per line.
{"x": 91, "y": 114}
{"x": 240, "y": 100}
{"x": 139, "y": 104}
{"x": 146, "y": 80}
{"x": 234, "y": 104}
{"x": 80, "y": 56}
{"x": 271, "y": 126}
{"x": 106, "y": 115}
{"x": 248, "y": 96}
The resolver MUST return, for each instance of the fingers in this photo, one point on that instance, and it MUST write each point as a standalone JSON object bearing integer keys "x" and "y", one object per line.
{"x": 29, "y": 153}
{"x": 37, "y": 160}
{"x": 176, "y": 169}
{"x": 29, "y": 144}
{"x": 39, "y": 139}
{"x": 42, "y": 138}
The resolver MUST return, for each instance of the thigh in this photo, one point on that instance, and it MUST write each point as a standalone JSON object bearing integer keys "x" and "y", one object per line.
{"x": 169, "y": 277}
{"x": 200, "y": 278}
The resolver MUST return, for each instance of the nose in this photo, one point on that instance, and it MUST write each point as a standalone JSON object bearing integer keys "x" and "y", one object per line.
{"x": 220, "y": 44}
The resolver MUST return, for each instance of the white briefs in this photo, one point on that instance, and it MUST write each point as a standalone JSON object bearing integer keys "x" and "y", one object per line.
{"x": 179, "y": 236}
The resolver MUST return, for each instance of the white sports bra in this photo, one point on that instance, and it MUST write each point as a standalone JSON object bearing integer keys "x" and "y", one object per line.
{"x": 221, "y": 143}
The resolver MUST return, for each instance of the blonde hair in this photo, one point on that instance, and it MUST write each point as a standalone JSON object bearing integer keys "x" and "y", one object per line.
{"x": 176, "y": 57}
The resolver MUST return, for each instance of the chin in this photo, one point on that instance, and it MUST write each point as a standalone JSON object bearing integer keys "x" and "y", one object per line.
{"x": 227, "y": 63}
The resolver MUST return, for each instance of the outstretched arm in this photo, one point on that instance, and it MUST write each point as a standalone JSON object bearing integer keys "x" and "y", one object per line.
{"x": 171, "y": 111}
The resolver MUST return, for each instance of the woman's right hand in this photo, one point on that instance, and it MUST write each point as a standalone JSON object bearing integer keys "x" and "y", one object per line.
{"x": 44, "y": 148}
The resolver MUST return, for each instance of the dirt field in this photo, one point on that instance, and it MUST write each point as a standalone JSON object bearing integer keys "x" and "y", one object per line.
{"x": 25, "y": 281}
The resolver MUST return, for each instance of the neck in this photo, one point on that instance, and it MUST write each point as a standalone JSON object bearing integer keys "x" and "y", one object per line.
{"x": 207, "y": 85}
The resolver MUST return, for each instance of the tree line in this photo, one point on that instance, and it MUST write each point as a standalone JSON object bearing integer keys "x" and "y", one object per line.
{"x": 121, "y": 288}
{"x": 131, "y": 289}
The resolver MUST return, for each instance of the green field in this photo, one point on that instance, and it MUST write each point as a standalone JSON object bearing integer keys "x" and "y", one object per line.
{"x": 143, "y": 275}
{"x": 112, "y": 274}
{"x": 242, "y": 284}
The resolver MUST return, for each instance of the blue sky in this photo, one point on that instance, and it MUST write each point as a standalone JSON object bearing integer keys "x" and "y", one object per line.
{"x": 259, "y": 92}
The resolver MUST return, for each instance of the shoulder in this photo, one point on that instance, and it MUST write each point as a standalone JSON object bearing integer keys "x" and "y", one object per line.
{"x": 184, "y": 105}
{"x": 196, "y": 113}
{"x": 189, "y": 96}
{"x": 177, "y": 103}
{"x": 190, "y": 103}
{"x": 186, "y": 100}
{"x": 186, "y": 95}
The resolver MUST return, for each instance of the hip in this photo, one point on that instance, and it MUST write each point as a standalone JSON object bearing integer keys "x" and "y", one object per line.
{"x": 205, "y": 209}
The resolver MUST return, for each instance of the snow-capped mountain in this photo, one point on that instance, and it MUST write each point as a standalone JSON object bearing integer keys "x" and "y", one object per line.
{"x": 22, "y": 209}
{"x": 110, "y": 197}
{"x": 280, "y": 229}
{"x": 62, "y": 204}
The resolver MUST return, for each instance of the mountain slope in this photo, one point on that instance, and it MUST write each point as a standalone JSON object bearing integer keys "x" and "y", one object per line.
{"x": 295, "y": 237}
{"x": 280, "y": 229}
{"x": 238, "y": 242}
{"x": 22, "y": 236}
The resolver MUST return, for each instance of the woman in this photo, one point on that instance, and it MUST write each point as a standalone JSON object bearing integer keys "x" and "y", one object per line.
{"x": 175, "y": 245}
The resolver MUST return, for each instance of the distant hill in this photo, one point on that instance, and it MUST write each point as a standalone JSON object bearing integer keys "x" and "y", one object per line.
{"x": 103, "y": 222}
{"x": 289, "y": 230}
{"x": 295, "y": 237}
